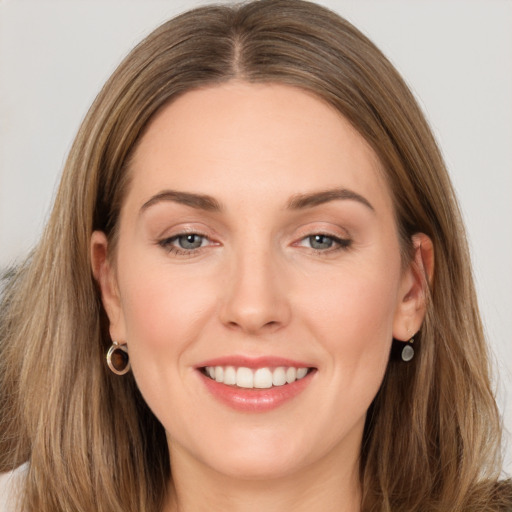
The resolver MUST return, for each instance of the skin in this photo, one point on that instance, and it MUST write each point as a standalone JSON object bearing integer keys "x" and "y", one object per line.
{"x": 259, "y": 285}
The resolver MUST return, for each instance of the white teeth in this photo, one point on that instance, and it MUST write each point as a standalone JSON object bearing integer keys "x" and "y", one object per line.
{"x": 301, "y": 372}
{"x": 279, "y": 376}
{"x": 260, "y": 378}
{"x": 244, "y": 378}
{"x": 291, "y": 374}
{"x": 230, "y": 375}
{"x": 219, "y": 374}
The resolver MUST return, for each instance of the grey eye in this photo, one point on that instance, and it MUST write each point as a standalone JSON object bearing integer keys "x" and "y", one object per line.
{"x": 320, "y": 242}
{"x": 190, "y": 241}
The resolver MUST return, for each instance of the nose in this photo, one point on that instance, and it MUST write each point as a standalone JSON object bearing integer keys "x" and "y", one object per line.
{"x": 255, "y": 300}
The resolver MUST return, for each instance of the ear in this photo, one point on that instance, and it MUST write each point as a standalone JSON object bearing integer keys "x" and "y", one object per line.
{"x": 415, "y": 281}
{"x": 105, "y": 276}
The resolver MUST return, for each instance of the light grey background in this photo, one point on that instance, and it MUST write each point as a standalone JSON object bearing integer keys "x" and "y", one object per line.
{"x": 455, "y": 54}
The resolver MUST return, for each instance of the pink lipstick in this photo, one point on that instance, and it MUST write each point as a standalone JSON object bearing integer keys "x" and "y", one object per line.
{"x": 255, "y": 384}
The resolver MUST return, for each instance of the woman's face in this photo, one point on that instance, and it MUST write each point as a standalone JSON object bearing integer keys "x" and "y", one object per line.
{"x": 257, "y": 244}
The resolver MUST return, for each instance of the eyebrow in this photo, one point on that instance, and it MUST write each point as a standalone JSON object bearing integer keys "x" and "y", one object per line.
{"x": 297, "y": 202}
{"x": 199, "y": 201}
{"x": 300, "y": 201}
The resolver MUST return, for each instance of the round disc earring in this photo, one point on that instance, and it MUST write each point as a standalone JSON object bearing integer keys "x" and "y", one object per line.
{"x": 118, "y": 359}
{"x": 402, "y": 351}
{"x": 408, "y": 351}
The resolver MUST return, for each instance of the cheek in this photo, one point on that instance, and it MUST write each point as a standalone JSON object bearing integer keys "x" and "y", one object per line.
{"x": 353, "y": 322}
{"x": 357, "y": 307}
{"x": 162, "y": 305}
{"x": 164, "y": 314}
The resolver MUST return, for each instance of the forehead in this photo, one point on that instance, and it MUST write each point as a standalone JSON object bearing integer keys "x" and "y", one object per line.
{"x": 238, "y": 140}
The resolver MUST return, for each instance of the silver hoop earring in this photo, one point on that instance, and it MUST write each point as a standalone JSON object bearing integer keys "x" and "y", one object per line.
{"x": 118, "y": 359}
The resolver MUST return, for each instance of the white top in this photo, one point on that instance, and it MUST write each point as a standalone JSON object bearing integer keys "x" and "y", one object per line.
{"x": 8, "y": 483}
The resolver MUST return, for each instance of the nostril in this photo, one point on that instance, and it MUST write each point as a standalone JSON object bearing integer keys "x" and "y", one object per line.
{"x": 254, "y": 307}
{"x": 254, "y": 327}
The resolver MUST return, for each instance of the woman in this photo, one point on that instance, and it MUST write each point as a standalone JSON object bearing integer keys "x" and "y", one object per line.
{"x": 247, "y": 227}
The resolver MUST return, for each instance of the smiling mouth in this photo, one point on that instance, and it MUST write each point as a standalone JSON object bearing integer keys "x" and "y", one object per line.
{"x": 259, "y": 378}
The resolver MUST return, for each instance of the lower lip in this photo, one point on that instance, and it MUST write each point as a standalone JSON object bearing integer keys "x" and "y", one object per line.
{"x": 256, "y": 400}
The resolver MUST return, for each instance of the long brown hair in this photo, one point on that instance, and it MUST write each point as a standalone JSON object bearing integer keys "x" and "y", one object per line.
{"x": 432, "y": 435}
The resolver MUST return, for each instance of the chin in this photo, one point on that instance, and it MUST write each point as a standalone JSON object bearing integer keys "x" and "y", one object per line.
{"x": 265, "y": 453}
{"x": 263, "y": 466}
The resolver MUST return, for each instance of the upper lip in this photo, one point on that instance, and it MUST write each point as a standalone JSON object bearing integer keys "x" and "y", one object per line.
{"x": 254, "y": 362}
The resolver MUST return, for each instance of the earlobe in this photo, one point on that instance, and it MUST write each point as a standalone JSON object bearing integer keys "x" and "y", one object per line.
{"x": 417, "y": 279}
{"x": 106, "y": 279}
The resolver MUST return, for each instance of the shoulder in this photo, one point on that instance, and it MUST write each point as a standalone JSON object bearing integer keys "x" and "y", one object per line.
{"x": 9, "y": 488}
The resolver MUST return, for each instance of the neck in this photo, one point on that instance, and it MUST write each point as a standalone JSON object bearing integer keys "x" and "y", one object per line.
{"x": 331, "y": 486}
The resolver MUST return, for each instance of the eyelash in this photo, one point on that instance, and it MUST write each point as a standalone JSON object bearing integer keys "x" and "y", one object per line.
{"x": 180, "y": 251}
{"x": 338, "y": 244}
